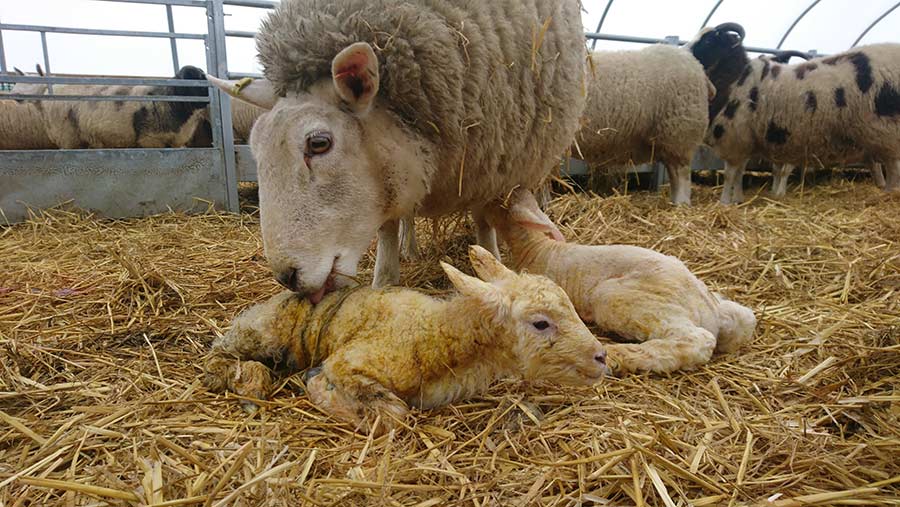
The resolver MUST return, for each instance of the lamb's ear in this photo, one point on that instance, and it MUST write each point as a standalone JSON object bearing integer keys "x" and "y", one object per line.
{"x": 490, "y": 295}
{"x": 355, "y": 74}
{"x": 524, "y": 210}
{"x": 39, "y": 70}
{"x": 486, "y": 265}
{"x": 18, "y": 71}
{"x": 258, "y": 92}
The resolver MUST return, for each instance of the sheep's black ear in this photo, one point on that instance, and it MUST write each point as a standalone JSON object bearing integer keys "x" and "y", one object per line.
{"x": 39, "y": 70}
{"x": 18, "y": 71}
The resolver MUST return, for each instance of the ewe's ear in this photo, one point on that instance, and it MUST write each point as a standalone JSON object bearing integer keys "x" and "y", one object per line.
{"x": 18, "y": 71}
{"x": 524, "y": 210}
{"x": 355, "y": 74}
{"x": 39, "y": 70}
{"x": 489, "y": 295}
{"x": 258, "y": 92}
{"x": 486, "y": 265}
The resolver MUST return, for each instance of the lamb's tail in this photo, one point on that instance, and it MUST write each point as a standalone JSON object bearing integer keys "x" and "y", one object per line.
{"x": 736, "y": 325}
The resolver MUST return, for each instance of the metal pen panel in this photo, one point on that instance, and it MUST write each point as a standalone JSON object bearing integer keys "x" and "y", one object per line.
{"x": 801, "y": 16}
{"x": 870, "y": 27}
{"x": 602, "y": 20}
{"x": 94, "y": 31}
{"x": 2, "y": 55}
{"x": 708, "y": 16}
{"x": 173, "y": 42}
{"x": 224, "y": 105}
{"x": 180, "y": 3}
{"x": 100, "y": 80}
{"x": 103, "y": 98}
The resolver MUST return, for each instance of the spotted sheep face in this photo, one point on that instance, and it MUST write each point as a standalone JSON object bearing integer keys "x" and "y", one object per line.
{"x": 333, "y": 166}
{"x": 548, "y": 339}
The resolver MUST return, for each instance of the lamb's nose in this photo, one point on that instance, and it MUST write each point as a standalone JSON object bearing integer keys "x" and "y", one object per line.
{"x": 600, "y": 357}
{"x": 288, "y": 278}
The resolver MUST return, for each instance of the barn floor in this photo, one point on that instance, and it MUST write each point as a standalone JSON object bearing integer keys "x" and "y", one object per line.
{"x": 103, "y": 325}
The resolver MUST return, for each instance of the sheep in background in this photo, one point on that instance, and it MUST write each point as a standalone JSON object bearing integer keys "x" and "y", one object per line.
{"x": 830, "y": 111}
{"x": 243, "y": 117}
{"x": 452, "y": 111}
{"x": 380, "y": 351}
{"x": 119, "y": 124}
{"x": 634, "y": 292}
{"x": 645, "y": 106}
{"x": 22, "y": 127}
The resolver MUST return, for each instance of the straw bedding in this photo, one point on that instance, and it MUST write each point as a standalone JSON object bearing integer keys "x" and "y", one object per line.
{"x": 103, "y": 325}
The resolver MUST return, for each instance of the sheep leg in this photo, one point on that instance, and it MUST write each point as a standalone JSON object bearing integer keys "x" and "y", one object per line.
{"x": 680, "y": 347}
{"x": 780, "y": 175}
{"x": 387, "y": 255}
{"x": 670, "y": 341}
{"x": 680, "y": 184}
{"x": 357, "y": 399}
{"x": 409, "y": 248}
{"x": 892, "y": 178}
{"x": 485, "y": 235}
{"x": 878, "y": 175}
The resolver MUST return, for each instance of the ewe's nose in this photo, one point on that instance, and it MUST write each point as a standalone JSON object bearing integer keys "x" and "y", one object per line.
{"x": 288, "y": 278}
{"x": 600, "y": 357}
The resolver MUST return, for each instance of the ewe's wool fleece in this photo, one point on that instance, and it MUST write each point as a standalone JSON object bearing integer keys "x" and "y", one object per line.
{"x": 828, "y": 111}
{"x": 498, "y": 95}
{"x": 643, "y": 106}
{"x": 22, "y": 127}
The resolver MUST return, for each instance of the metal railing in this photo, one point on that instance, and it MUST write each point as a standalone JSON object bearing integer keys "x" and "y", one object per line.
{"x": 213, "y": 172}
{"x": 132, "y": 181}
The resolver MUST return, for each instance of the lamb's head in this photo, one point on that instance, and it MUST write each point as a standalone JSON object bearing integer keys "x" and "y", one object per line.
{"x": 534, "y": 318}
{"x": 518, "y": 216}
{"x": 334, "y": 165}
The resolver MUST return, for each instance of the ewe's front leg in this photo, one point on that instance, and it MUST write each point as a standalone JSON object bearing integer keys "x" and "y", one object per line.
{"x": 892, "y": 177}
{"x": 780, "y": 175}
{"x": 387, "y": 255}
{"x": 680, "y": 185}
{"x": 356, "y": 399}
{"x": 409, "y": 248}
{"x": 733, "y": 189}
{"x": 485, "y": 235}
{"x": 878, "y": 174}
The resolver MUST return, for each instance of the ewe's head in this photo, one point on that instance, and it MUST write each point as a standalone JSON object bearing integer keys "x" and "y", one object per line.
{"x": 333, "y": 166}
{"x": 29, "y": 88}
{"x": 518, "y": 214}
{"x": 715, "y": 46}
{"x": 535, "y": 318}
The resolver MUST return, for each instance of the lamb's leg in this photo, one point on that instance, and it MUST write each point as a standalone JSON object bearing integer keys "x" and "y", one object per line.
{"x": 780, "y": 175}
{"x": 409, "y": 248}
{"x": 892, "y": 178}
{"x": 357, "y": 399}
{"x": 878, "y": 174}
{"x": 486, "y": 236}
{"x": 670, "y": 340}
{"x": 680, "y": 184}
{"x": 387, "y": 255}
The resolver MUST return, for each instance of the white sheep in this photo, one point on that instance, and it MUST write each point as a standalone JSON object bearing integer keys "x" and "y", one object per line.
{"x": 830, "y": 111}
{"x": 637, "y": 293}
{"x": 377, "y": 352}
{"x": 381, "y": 110}
{"x": 646, "y": 106}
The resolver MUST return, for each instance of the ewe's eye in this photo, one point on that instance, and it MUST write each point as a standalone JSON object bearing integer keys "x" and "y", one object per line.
{"x": 318, "y": 143}
{"x": 540, "y": 325}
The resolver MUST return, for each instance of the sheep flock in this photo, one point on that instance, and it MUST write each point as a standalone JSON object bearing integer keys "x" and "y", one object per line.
{"x": 416, "y": 305}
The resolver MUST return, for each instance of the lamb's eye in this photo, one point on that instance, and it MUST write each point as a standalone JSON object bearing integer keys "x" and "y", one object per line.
{"x": 318, "y": 143}
{"x": 540, "y": 325}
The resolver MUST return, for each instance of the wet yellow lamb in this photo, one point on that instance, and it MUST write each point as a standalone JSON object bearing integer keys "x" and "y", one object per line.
{"x": 382, "y": 351}
{"x": 639, "y": 294}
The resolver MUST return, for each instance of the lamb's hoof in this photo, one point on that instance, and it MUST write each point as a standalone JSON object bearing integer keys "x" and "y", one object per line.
{"x": 310, "y": 373}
